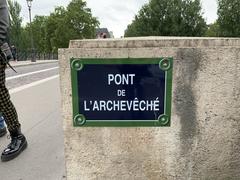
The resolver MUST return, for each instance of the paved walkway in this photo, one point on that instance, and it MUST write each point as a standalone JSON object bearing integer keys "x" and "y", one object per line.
{"x": 40, "y": 115}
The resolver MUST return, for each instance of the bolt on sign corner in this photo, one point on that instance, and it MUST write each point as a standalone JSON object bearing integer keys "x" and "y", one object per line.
{"x": 121, "y": 92}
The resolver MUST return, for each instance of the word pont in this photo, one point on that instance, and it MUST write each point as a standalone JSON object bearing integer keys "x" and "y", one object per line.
{"x": 121, "y": 79}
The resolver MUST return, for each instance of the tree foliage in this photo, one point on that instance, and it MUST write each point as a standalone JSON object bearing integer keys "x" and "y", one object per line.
{"x": 229, "y": 18}
{"x": 168, "y": 18}
{"x": 38, "y": 29}
{"x": 15, "y": 22}
{"x": 213, "y": 30}
{"x": 73, "y": 22}
{"x": 53, "y": 31}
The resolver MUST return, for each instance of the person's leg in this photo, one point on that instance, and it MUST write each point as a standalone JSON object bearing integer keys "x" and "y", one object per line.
{"x": 6, "y": 107}
{"x": 11, "y": 118}
{"x": 3, "y": 129}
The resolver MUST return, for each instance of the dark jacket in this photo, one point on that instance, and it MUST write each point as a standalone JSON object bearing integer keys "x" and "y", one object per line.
{"x": 4, "y": 21}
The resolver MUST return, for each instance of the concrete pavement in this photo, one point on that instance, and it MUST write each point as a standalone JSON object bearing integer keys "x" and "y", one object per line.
{"x": 39, "y": 113}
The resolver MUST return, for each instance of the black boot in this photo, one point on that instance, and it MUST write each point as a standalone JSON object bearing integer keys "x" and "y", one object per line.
{"x": 3, "y": 131}
{"x": 17, "y": 145}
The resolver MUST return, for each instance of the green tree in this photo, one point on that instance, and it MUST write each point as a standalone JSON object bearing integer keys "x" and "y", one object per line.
{"x": 53, "y": 31}
{"x": 55, "y": 22}
{"x": 80, "y": 19}
{"x": 213, "y": 30}
{"x": 15, "y": 29}
{"x": 74, "y": 22}
{"x": 168, "y": 18}
{"x": 38, "y": 29}
{"x": 229, "y": 18}
{"x": 24, "y": 39}
{"x": 142, "y": 24}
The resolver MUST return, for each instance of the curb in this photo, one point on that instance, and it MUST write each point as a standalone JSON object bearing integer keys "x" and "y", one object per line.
{"x": 32, "y": 63}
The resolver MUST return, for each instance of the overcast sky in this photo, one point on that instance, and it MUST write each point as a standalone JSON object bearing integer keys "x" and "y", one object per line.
{"x": 112, "y": 14}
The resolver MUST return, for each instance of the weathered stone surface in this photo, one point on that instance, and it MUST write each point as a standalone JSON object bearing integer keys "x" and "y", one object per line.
{"x": 203, "y": 141}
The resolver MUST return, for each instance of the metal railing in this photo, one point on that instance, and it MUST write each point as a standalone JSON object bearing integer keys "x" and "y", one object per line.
{"x": 27, "y": 55}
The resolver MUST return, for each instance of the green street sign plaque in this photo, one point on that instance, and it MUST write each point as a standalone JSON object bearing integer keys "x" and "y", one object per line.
{"x": 121, "y": 92}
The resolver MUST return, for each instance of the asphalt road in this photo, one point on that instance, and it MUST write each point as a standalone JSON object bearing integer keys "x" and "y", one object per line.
{"x": 36, "y": 95}
{"x": 24, "y": 76}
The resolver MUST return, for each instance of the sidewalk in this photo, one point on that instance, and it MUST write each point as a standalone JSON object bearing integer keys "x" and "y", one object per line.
{"x": 40, "y": 115}
{"x": 25, "y": 63}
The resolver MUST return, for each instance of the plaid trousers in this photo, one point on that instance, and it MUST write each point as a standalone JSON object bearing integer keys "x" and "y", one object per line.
{"x": 6, "y": 106}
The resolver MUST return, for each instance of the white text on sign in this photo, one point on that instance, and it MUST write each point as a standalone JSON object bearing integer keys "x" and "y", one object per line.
{"x": 121, "y": 79}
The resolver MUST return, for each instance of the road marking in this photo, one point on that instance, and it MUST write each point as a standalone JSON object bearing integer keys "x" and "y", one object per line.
{"x": 30, "y": 73}
{"x": 15, "y": 90}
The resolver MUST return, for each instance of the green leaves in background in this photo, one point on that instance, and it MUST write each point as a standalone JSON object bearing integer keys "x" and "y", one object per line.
{"x": 168, "y": 18}
{"x": 53, "y": 31}
{"x": 157, "y": 18}
{"x": 229, "y": 18}
{"x": 184, "y": 18}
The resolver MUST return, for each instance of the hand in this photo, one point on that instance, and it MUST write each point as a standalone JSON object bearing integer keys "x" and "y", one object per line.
{"x": 6, "y": 51}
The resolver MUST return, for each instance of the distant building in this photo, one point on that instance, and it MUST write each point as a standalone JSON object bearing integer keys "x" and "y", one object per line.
{"x": 103, "y": 33}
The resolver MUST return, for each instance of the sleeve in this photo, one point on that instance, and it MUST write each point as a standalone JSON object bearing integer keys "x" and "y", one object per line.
{"x": 4, "y": 21}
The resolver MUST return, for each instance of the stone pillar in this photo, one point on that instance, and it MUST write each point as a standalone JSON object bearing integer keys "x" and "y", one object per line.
{"x": 203, "y": 141}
